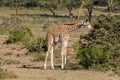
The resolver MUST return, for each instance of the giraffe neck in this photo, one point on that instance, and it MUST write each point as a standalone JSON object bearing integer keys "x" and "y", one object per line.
{"x": 73, "y": 27}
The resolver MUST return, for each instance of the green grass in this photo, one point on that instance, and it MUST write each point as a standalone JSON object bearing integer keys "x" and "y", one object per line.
{"x": 39, "y": 25}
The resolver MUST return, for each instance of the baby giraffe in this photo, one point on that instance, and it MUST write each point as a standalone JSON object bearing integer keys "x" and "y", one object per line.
{"x": 61, "y": 34}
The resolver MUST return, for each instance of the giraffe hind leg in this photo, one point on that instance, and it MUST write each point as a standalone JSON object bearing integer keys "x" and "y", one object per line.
{"x": 45, "y": 66}
{"x": 51, "y": 53}
{"x": 47, "y": 54}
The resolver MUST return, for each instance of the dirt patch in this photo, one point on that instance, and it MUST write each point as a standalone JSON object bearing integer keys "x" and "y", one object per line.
{"x": 37, "y": 73}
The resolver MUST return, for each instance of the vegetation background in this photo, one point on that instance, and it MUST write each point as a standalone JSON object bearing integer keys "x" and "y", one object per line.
{"x": 92, "y": 54}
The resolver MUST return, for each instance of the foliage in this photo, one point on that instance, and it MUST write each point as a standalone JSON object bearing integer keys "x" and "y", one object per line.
{"x": 106, "y": 32}
{"x": 75, "y": 46}
{"x": 89, "y": 5}
{"x": 60, "y": 3}
{"x": 30, "y": 3}
{"x": 101, "y": 45}
{"x": 90, "y": 56}
{"x": 38, "y": 45}
{"x": 118, "y": 1}
{"x": 50, "y": 5}
{"x": 20, "y": 34}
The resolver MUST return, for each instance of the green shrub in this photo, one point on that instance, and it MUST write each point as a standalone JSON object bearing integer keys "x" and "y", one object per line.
{"x": 76, "y": 46}
{"x": 106, "y": 34}
{"x": 20, "y": 34}
{"x": 38, "y": 45}
{"x": 90, "y": 56}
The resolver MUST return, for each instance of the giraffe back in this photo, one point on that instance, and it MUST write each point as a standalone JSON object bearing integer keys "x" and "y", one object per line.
{"x": 58, "y": 34}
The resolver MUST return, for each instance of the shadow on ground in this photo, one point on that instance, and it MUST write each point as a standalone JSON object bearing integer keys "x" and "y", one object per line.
{"x": 57, "y": 67}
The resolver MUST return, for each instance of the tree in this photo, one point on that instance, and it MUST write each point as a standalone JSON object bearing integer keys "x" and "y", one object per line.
{"x": 16, "y": 4}
{"x": 118, "y": 1}
{"x": 90, "y": 7}
{"x": 51, "y": 5}
{"x": 1, "y": 3}
{"x": 80, "y": 9}
{"x": 110, "y": 6}
{"x": 106, "y": 35}
{"x": 117, "y": 4}
{"x": 70, "y": 5}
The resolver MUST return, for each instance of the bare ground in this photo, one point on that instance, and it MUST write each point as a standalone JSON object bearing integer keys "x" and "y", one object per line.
{"x": 28, "y": 70}
{"x": 36, "y": 73}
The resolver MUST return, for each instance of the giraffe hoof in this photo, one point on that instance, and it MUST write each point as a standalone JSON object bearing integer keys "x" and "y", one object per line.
{"x": 45, "y": 67}
{"x": 62, "y": 67}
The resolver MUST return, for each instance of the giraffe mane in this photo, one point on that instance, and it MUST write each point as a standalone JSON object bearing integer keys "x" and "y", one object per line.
{"x": 72, "y": 23}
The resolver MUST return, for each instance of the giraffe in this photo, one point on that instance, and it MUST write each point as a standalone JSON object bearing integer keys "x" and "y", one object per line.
{"x": 61, "y": 34}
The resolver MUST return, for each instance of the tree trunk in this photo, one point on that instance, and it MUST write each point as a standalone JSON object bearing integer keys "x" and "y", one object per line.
{"x": 80, "y": 9}
{"x": 110, "y": 3}
{"x": 59, "y": 1}
{"x": 16, "y": 9}
{"x": 52, "y": 11}
{"x": 1, "y": 3}
{"x": 90, "y": 10}
{"x": 90, "y": 15}
{"x": 70, "y": 11}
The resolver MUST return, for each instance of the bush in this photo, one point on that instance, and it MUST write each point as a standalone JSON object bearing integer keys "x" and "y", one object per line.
{"x": 38, "y": 45}
{"x": 101, "y": 46}
{"x": 90, "y": 56}
{"x": 75, "y": 46}
{"x": 20, "y": 34}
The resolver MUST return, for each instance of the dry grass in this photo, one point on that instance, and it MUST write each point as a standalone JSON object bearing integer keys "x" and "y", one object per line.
{"x": 28, "y": 69}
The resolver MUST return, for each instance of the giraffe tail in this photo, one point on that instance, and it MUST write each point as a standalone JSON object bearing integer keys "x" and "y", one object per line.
{"x": 46, "y": 47}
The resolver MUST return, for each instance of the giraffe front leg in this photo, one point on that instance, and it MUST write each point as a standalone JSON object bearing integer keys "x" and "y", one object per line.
{"x": 51, "y": 52}
{"x": 63, "y": 53}
{"x": 62, "y": 65}
{"x": 65, "y": 58}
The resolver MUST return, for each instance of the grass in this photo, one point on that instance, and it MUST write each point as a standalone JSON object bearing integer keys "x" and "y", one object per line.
{"x": 38, "y": 57}
{"x": 4, "y": 74}
{"x": 8, "y": 61}
{"x": 34, "y": 62}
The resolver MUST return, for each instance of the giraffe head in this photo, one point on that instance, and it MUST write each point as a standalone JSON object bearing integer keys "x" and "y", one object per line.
{"x": 86, "y": 24}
